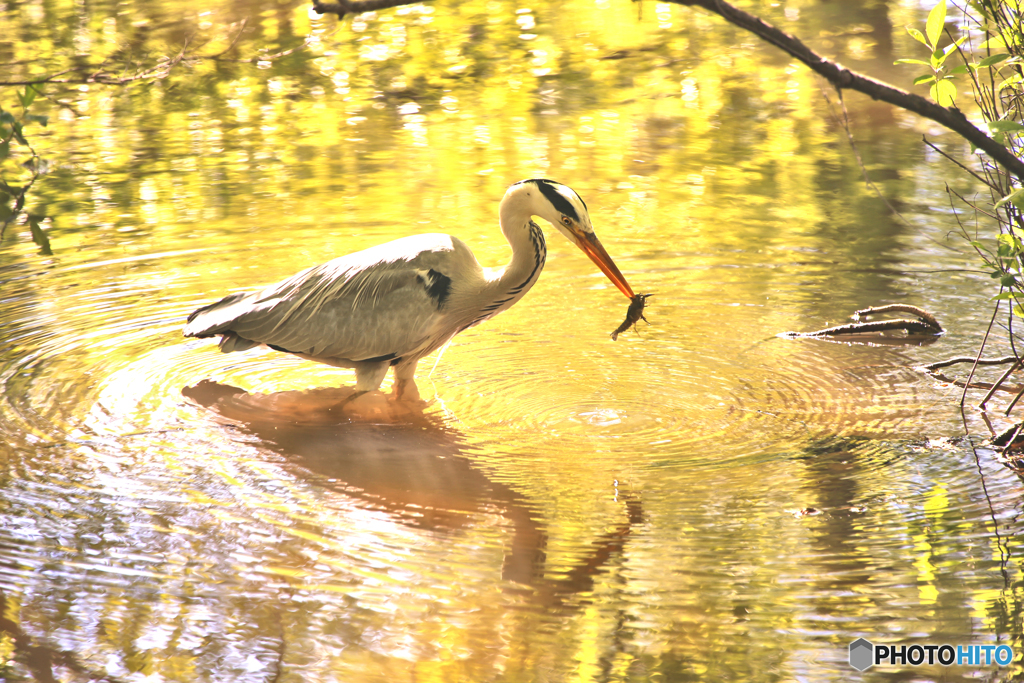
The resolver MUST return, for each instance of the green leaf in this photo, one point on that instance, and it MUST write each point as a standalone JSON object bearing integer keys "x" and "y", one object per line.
{"x": 41, "y": 120}
{"x": 917, "y": 35}
{"x": 977, "y": 245}
{"x": 936, "y": 22}
{"x": 944, "y": 92}
{"x": 28, "y": 96}
{"x": 18, "y": 135}
{"x": 7, "y": 117}
{"x": 911, "y": 61}
{"x": 993, "y": 59}
{"x": 5, "y": 149}
{"x": 955, "y": 44}
{"x": 993, "y": 42}
{"x": 1018, "y": 311}
{"x": 1014, "y": 197}
{"x": 980, "y": 8}
{"x": 1004, "y": 126}
{"x": 1007, "y": 280}
{"x": 962, "y": 69}
{"x": 1003, "y": 296}
{"x": 927, "y": 78}
{"x": 38, "y": 236}
{"x": 1009, "y": 82}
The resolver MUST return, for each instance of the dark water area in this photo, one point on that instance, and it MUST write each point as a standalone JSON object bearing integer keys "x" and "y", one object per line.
{"x": 700, "y": 500}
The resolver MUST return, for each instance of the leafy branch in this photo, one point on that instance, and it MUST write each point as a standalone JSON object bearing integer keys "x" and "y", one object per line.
{"x": 943, "y": 90}
{"x": 12, "y": 131}
{"x": 842, "y": 78}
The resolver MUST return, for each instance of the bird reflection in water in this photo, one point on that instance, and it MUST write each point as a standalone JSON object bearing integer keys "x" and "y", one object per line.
{"x": 411, "y": 465}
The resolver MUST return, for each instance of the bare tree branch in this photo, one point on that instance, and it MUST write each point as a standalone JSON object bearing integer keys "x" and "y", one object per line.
{"x": 841, "y": 77}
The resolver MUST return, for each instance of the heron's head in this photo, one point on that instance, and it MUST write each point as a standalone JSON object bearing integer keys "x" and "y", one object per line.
{"x": 564, "y": 209}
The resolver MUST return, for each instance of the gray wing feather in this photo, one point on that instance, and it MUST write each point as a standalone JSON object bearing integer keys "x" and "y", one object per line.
{"x": 365, "y": 305}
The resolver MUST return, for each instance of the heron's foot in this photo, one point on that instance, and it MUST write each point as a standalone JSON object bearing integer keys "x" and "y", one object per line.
{"x": 405, "y": 390}
{"x": 363, "y": 405}
{"x": 351, "y": 398}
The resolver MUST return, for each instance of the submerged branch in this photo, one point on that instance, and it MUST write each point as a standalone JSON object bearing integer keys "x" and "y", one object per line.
{"x": 841, "y": 77}
{"x": 343, "y": 7}
{"x": 970, "y": 359}
{"x": 927, "y": 324}
{"x": 924, "y": 315}
{"x": 1009, "y": 438}
{"x": 991, "y": 387}
{"x": 908, "y": 326}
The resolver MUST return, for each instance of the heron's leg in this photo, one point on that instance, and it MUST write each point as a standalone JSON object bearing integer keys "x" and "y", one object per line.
{"x": 405, "y": 384}
{"x": 369, "y": 376}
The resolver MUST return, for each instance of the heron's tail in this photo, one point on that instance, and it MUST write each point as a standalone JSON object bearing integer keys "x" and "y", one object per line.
{"x": 217, "y": 318}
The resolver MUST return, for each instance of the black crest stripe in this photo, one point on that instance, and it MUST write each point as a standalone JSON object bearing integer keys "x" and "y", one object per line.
{"x": 557, "y": 199}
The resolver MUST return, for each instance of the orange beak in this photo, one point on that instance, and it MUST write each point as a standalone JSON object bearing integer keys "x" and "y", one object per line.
{"x": 592, "y": 247}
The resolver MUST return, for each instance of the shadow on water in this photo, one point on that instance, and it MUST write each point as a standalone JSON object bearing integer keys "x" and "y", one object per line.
{"x": 39, "y": 658}
{"x": 410, "y": 465}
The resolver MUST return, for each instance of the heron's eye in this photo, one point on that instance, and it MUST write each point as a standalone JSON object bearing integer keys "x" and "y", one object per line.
{"x": 566, "y": 221}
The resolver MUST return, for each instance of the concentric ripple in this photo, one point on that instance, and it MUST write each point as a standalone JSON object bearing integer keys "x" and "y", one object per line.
{"x": 549, "y": 468}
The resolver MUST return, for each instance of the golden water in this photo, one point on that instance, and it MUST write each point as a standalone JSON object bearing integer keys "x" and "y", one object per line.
{"x": 700, "y": 500}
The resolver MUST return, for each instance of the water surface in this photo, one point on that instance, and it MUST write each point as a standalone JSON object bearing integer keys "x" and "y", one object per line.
{"x": 700, "y": 500}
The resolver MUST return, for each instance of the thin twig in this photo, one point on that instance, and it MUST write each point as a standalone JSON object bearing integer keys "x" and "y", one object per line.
{"x": 845, "y": 123}
{"x": 971, "y": 385}
{"x": 970, "y": 359}
{"x": 972, "y": 205}
{"x": 234, "y": 41}
{"x": 981, "y": 349}
{"x": 955, "y": 161}
{"x": 999, "y": 383}
{"x": 1014, "y": 401}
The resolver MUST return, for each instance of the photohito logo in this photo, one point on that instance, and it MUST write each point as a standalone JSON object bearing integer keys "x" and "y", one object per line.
{"x": 864, "y": 654}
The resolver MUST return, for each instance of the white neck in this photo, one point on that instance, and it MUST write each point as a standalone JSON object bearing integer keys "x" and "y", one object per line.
{"x": 509, "y": 284}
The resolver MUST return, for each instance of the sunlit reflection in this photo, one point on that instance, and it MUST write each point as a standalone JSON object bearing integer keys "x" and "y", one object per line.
{"x": 698, "y": 500}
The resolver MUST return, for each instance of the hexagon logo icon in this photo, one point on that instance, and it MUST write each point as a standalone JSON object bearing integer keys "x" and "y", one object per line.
{"x": 861, "y": 654}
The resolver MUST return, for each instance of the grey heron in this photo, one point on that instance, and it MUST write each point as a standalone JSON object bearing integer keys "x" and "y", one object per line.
{"x": 393, "y": 304}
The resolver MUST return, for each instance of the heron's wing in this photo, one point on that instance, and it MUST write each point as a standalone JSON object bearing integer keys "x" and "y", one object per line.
{"x": 381, "y": 303}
